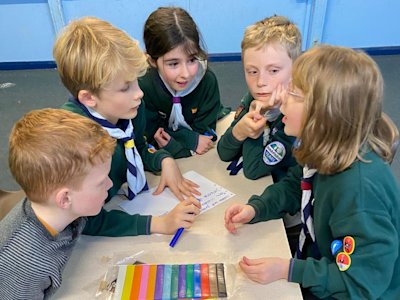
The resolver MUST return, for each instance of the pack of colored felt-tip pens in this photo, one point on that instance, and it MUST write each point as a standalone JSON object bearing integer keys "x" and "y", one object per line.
{"x": 167, "y": 281}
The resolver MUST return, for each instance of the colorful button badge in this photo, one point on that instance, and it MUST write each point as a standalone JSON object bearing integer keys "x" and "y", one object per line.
{"x": 343, "y": 261}
{"x": 336, "y": 246}
{"x": 348, "y": 245}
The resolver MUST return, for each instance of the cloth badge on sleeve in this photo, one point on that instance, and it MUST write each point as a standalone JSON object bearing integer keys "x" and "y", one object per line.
{"x": 151, "y": 148}
{"x": 238, "y": 111}
{"x": 274, "y": 153}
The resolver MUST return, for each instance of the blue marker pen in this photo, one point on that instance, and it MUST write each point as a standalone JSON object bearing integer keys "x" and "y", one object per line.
{"x": 211, "y": 132}
{"x": 176, "y": 237}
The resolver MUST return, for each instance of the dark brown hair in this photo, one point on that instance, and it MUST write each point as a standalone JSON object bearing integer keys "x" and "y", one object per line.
{"x": 168, "y": 27}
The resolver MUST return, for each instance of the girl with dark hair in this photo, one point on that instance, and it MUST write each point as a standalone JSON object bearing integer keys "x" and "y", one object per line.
{"x": 180, "y": 92}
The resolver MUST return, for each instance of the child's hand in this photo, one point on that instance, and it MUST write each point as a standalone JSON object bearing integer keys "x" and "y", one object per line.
{"x": 265, "y": 270}
{"x": 172, "y": 177}
{"x": 274, "y": 101}
{"x": 205, "y": 143}
{"x": 251, "y": 125}
{"x": 238, "y": 214}
{"x": 183, "y": 215}
{"x": 162, "y": 137}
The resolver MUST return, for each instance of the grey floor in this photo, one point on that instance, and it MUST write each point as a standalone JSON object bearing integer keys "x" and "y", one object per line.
{"x": 33, "y": 89}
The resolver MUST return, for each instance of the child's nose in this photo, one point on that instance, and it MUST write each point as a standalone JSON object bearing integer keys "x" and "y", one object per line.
{"x": 184, "y": 71}
{"x": 110, "y": 183}
{"x": 262, "y": 79}
{"x": 138, "y": 94}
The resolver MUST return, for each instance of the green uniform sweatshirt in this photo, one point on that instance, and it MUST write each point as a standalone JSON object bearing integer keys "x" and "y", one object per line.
{"x": 362, "y": 202}
{"x": 199, "y": 108}
{"x": 118, "y": 223}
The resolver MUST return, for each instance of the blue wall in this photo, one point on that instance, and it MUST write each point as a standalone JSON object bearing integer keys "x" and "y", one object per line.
{"x": 28, "y": 27}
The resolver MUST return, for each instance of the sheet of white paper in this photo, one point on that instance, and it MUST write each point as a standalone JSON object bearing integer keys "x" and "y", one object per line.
{"x": 145, "y": 203}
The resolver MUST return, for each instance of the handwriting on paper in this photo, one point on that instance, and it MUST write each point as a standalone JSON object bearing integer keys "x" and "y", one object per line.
{"x": 145, "y": 203}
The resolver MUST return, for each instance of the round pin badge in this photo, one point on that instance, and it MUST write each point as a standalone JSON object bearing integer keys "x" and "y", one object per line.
{"x": 349, "y": 244}
{"x": 336, "y": 246}
{"x": 343, "y": 261}
{"x": 274, "y": 153}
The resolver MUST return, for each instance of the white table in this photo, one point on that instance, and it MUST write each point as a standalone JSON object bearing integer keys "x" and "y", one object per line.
{"x": 206, "y": 241}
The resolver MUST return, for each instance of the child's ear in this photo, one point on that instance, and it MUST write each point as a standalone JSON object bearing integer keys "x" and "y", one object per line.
{"x": 87, "y": 98}
{"x": 151, "y": 61}
{"x": 63, "y": 198}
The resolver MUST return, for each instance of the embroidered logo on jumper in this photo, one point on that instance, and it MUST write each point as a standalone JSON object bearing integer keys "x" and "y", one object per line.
{"x": 162, "y": 114}
{"x": 274, "y": 153}
{"x": 151, "y": 148}
{"x": 194, "y": 110}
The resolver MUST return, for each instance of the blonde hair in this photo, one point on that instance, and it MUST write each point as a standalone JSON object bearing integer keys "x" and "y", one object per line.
{"x": 343, "y": 119}
{"x": 52, "y": 148}
{"x": 275, "y": 29}
{"x": 91, "y": 52}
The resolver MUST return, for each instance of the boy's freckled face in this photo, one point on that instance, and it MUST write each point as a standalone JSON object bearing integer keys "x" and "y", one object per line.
{"x": 90, "y": 198}
{"x": 265, "y": 68}
{"x": 119, "y": 100}
{"x": 177, "y": 68}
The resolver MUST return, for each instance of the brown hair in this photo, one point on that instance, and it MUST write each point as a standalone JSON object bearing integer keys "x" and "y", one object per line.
{"x": 343, "y": 94}
{"x": 168, "y": 27}
{"x": 275, "y": 29}
{"x": 91, "y": 52}
{"x": 51, "y": 148}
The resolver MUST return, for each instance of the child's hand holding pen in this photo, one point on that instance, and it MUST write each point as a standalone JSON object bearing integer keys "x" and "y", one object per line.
{"x": 182, "y": 216}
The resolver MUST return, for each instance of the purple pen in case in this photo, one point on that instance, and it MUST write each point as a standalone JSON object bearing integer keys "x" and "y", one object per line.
{"x": 182, "y": 281}
{"x": 158, "y": 291}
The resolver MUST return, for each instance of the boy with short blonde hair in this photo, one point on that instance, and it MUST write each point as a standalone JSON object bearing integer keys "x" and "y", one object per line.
{"x": 256, "y": 140}
{"x": 61, "y": 160}
{"x": 276, "y": 29}
{"x": 90, "y": 53}
{"x": 99, "y": 64}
